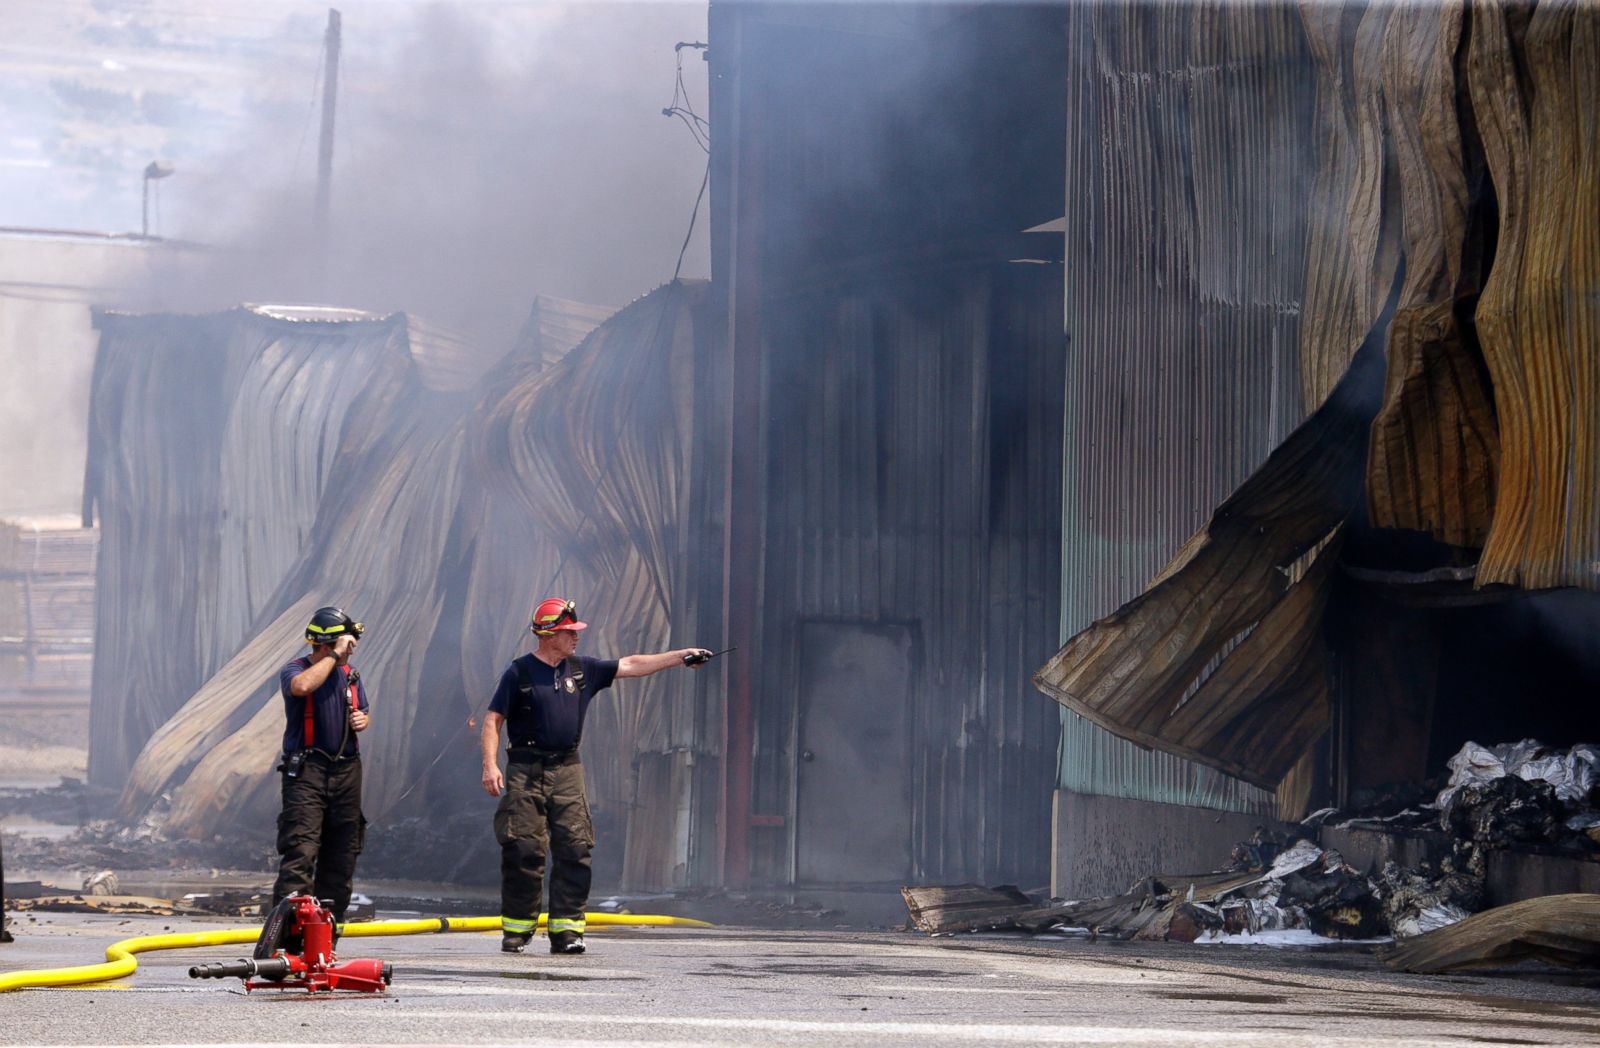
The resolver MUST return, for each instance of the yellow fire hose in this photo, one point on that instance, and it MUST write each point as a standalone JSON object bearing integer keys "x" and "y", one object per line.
{"x": 119, "y": 961}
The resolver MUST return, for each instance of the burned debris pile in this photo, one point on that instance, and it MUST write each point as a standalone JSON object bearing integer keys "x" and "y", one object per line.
{"x": 453, "y": 848}
{"x": 1419, "y": 900}
{"x": 1519, "y": 796}
{"x": 103, "y": 844}
{"x": 1524, "y": 793}
{"x": 1301, "y": 886}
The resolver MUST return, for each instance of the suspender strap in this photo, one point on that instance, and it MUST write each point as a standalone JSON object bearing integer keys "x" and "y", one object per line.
{"x": 351, "y": 677}
{"x": 311, "y": 720}
{"x": 525, "y": 688}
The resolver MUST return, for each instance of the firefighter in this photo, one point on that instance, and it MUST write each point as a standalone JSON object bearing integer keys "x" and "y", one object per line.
{"x": 321, "y": 827}
{"x": 542, "y": 699}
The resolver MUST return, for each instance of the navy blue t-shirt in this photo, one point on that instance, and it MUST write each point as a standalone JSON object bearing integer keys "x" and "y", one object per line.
{"x": 551, "y": 718}
{"x": 330, "y": 714}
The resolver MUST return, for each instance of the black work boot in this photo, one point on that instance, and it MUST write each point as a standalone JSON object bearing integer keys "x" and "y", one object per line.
{"x": 513, "y": 942}
{"x": 566, "y": 942}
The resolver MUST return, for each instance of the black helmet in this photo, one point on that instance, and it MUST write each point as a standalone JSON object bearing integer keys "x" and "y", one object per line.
{"x": 329, "y": 623}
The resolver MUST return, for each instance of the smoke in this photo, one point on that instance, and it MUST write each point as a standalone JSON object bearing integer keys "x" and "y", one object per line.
{"x": 483, "y": 155}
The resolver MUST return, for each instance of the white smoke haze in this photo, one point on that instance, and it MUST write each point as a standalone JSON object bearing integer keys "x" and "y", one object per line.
{"x": 484, "y": 152}
{"x": 486, "y": 160}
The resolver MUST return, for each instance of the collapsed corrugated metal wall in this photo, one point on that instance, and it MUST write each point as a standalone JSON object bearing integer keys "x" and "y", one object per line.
{"x": 598, "y": 457}
{"x": 438, "y": 517}
{"x": 210, "y": 446}
{"x": 1187, "y": 152}
{"x": 1451, "y": 228}
{"x": 371, "y": 534}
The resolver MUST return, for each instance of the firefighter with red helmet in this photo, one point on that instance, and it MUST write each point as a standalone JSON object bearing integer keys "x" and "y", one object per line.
{"x": 541, "y": 701}
{"x": 321, "y": 827}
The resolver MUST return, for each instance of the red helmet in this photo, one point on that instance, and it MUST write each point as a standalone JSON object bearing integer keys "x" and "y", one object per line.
{"x": 554, "y": 614}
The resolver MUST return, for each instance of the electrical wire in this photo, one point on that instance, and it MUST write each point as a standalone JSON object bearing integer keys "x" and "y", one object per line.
{"x": 700, "y": 129}
{"x": 693, "y": 215}
{"x": 682, "y": 106}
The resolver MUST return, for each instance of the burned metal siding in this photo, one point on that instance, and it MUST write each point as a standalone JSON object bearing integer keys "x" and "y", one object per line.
{"x": 1187, "y": 162}
{"x": 908, "y": 444}
{"x": 910, "y": 483}
{"x": 209, "y": 453}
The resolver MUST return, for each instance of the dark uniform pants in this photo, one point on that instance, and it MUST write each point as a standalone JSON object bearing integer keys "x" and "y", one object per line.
{"x": 320, "y": 832}
{"x": 544, "y": 811}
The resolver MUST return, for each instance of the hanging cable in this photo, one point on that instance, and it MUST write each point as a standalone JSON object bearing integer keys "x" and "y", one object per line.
{"x": 693, "y": 215}
{"x": 682, "y": 106}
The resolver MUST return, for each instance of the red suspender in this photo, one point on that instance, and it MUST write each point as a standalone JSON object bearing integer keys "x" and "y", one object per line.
{"x": 311, "y": 723}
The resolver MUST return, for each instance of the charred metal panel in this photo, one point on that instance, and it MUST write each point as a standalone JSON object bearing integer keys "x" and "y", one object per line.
{"x": 899, "y": 492}
{"x": 205, "y": 494}
{"x": 1221, "y": 659}
{"x": 1535, "y": 88}
{"x": 1188, "y": 152}
{"x": 888, "y": 159}
{"x": 436, "y": 517}
{"x": 855, "y": 753}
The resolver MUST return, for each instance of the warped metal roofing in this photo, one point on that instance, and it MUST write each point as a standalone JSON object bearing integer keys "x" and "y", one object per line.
{"x": 250, "y": 466}
{"x": 1453, "y": 225}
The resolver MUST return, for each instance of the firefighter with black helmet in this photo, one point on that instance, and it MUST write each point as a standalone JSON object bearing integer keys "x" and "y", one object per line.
{"x": 541, "y": 701}
{"x": 321, "y": 826}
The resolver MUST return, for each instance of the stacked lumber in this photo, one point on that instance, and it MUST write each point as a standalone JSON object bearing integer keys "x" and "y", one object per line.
{"x": 939, "y": 909}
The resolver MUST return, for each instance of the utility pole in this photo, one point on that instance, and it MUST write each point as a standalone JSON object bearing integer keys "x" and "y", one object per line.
{"x": 330, "y": 97}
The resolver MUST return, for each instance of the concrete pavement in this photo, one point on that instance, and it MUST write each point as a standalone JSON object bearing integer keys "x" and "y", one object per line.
{"x": 731, "y": 986}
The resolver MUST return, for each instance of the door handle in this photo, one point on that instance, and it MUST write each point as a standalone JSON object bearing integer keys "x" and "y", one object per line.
{"x": 807, "y": 755}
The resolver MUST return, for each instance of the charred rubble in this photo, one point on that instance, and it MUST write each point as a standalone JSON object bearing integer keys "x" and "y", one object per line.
{"x": 1517, "y": 796}
{"x": 455, "y": 848}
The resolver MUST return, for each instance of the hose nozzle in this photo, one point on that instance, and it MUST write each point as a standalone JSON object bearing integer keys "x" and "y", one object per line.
{"x": 268, "y": 968}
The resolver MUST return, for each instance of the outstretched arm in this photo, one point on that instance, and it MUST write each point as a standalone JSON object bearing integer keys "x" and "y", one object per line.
{"x": 644, "y": 665}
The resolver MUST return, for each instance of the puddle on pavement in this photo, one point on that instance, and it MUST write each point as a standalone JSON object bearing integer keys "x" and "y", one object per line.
{"x": 1560, "y": 1009}
{"x": 529, "y": 976}
{"x": 1499, "y": 1022}
{"x": 1231, "y": 998}
{"x": 842, "y": 971}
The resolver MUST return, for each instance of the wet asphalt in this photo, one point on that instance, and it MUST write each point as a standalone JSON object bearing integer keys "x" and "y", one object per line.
{"x": 730, "y": 986}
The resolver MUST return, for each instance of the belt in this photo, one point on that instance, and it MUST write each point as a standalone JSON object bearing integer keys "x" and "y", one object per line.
{"x": 324, "y": 757}
{"x": 527, "y": 751}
